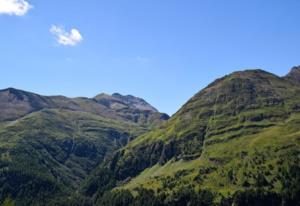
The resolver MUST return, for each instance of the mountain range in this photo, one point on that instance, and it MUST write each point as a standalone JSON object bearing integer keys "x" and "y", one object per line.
{"x": 236, "y": 142}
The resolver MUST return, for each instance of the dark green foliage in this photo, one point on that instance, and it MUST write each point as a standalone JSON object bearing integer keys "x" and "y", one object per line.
{"x": 99, "y": 181}
{"x": 73, "y": 200}
{"x": 291, "y": 184}
{"x": 147, "y": 198}
{"x": 27, "y": 188}
{"x": 119, "y": 198}
{"x": 253, "y": 198}
{"x": 38, "y": 164}
{"x": 187, "y": 196}
{"x": 125, "y": 198}
{"x": 184, "y": 197}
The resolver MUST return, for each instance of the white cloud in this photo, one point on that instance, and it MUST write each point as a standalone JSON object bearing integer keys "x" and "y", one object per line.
{"x": 14, "y": 7}
{"x": 65, "y": 38}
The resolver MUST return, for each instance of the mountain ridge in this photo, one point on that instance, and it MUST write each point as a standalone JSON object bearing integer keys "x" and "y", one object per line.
{"x": 16, "y": 103}
{"x": 235, "y": 142}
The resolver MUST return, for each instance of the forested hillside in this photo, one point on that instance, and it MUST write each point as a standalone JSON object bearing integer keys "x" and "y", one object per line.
{"x": 49, "y": 145}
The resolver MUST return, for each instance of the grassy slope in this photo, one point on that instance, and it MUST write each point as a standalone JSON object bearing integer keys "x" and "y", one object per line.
{"x": 251, "y": 155}
{"x": 239, "y": 128}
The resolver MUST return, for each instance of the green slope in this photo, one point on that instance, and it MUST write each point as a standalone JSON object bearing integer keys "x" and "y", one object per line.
{"x": 49, "y": 145}
{"x": 241, "y": 133}
{"x": 57, "y": 146}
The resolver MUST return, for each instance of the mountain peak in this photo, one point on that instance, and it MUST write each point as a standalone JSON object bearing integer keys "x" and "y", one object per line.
{"x": 245, "y": 78}
{"x": 16, "y": 94}
{"x": 119, "y": 101}
{"x": 295, "y": 69}
{"x": 250, "y": 74}
{"x": 294, "y": 75}
{"x": 16, "y": 103}
{"x": 130, "y": 107}
{"x": 12, "y": 90}
{"x": 239, "y": 91}
{"x": 118, "y": 95}
{"x": 8, "y": 89}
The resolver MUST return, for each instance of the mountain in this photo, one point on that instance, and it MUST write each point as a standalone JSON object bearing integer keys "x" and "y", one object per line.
{"x": 50, "y": 144}
{"x": 236, "y": 142}
{"x": 294, "y": 75}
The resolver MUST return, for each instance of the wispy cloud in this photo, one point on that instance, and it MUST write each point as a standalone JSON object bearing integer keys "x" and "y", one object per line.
{"x": 14, "y": 7}
{"x": 65, "y": 38}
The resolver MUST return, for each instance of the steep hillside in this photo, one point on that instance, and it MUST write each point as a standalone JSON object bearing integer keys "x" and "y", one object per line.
{"x": 49, "y": 145}
{"x": 239, "y": 134}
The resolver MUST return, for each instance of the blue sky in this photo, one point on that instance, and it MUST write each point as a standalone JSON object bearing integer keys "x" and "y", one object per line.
{"x": 161, "y": 50}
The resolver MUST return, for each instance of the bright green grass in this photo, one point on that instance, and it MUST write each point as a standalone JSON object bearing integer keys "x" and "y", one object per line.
{"x": 226, "y": 156}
